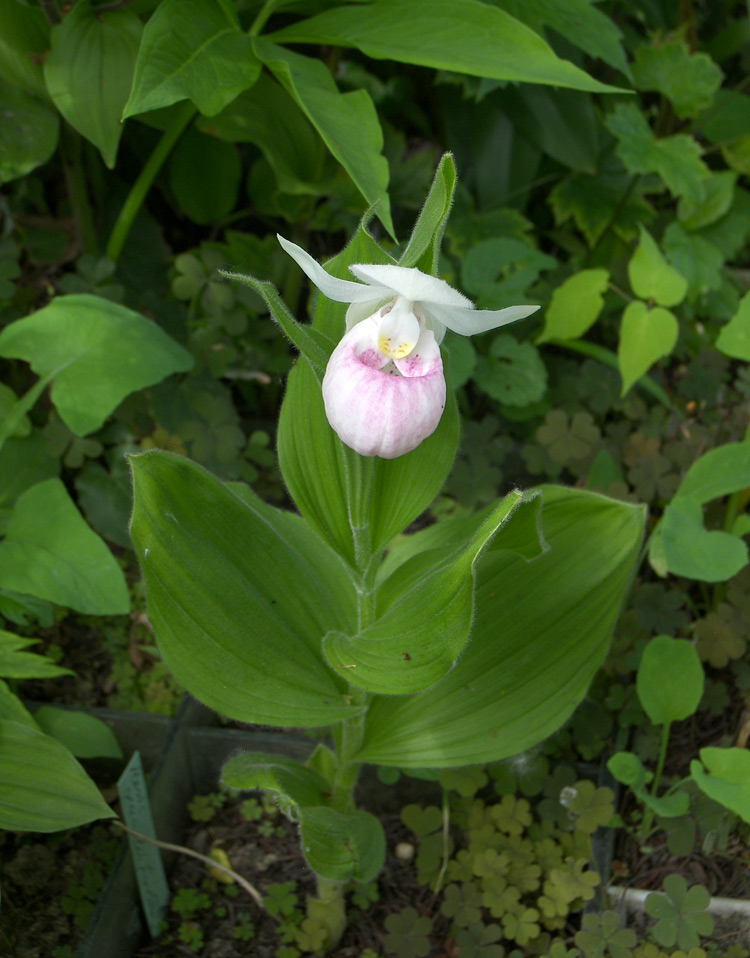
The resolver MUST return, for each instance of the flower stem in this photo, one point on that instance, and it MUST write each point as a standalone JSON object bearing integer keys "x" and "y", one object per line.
{"x": 182, "y": 116}
{"x": 648, "y": 815}
{"x": 75, "y": 181}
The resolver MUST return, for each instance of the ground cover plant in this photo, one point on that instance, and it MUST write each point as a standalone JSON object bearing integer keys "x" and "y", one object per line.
{"x": 147, "y": 308}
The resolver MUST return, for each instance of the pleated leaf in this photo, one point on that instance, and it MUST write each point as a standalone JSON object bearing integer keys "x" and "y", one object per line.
{"x": 42, "y": 787}
{"x": 287, "y": 778}
{"x": 541, "y": 631}
{"x": 342, "y": 847}
{"x": 240, "y": 595}
{"x": 426, "y": 609}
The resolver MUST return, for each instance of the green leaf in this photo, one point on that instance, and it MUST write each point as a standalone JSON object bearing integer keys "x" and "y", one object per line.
{"x": 16, "y": 664}
{"x": 698, "y": 260}
{"x": 267, "y": 116}
{"x": 342, "y": 847}
{"x": 13, "y": 709}
{"x": 464, "y": 36}
{"x": 681, "y": 913}
{"x": 29, "y": 129}
{"x": 669, "y": 680}
{"x": 676, "y": 159}
{"x": 727, "y": 780}
{"x": 734, "y": 338}
{"x": 89, "y": 71}
{"x": 222, "y": 612}
{"x": 580, "y": 22}
{"x": 718, "y": 472}
{"x": 287, "y": 778}
{"x": 423, "y": 248}
{"x": 651, "y": 276}
{"x": 51, "y": 553}
{"x": 347, "y": 122}
{"x": 687, "y": 80}
{"x": 192, "y": 49}
{"x": 513, "y": 373}
{"x": 95, "y": 352}
{"x": 402, "y": 651}
{"x": 689, "y": 550}
{"x": 540, "y": 631}
{"x": 23, "y": 41}
{"x": 575, "y": 305}
{"x": 645, "y": 336}
{"x": 600, "y": 203}
{"x": 718, "y": 194}
{"x": 205, "y": 200}
{"x": 43, "y": 787}
{"x": 86, "y": 736}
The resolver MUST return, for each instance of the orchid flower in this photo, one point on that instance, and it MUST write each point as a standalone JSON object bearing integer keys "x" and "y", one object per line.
{"x": 384, "y": 389}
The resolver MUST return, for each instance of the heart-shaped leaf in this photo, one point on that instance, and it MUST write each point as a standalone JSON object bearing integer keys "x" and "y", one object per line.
{"x": 688, "y": 549}
{"x": 645, "y": 336}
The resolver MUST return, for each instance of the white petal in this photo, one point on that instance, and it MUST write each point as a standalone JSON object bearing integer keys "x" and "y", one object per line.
{"x": 469, "y": 322}
{"x": 398, "y": 330}
{"x": 340, "y": 290}
{"x": 412, "y": 284}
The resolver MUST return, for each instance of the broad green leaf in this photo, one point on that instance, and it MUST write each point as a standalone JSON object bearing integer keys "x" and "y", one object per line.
{"x": 13, "y": 709}
{"x": 347, "y": 122}
{"x": 734, "y": 338}
{"x": 513, "y": 373}
{"x": 728, "y": 779}
{"x": 423, "y": 249}
{"x": 651, "y": 276}
{"x": 645, "y": 336}
{"x": 541, "y": 629}
{"x": 192, "y": 50}
{"x": 575, "y": 306}
{"x": 718, "y": 472}
{"x": 24, "y": 38}
{"x": 342, "y": 847}
{"x": 205, "y": 200}
{"x": 51, "y": 553}
{"x": 240, "y": 596}
{"x": 629, "y": 770}
{"x": 697, "y": 259}
{"x": 267, "y": 116}
{"x": 562, "y": 123}
{"x": 669, "y": 680}
{"x": 676, "y": 159}
{"x": 403, "y": 651}
{"x": 29, "y": 129}
{"x": 667, "y": 806}
{"x": 688, "y": 549}
{"x": 90, "y": 69}
{"x": 464, "y": 36}
{"x": 86, "y": 736}
{"x": 718, "y": 194}
{"x": 579, "y": 21}
{"x": 290, "y": 780}
{"x": 23, "y": 463}
{"x": 687, "y": 80}
{"x": 95, "y": 353}
{"x": 17, "y": 664}
{"x": 42, "y": 787}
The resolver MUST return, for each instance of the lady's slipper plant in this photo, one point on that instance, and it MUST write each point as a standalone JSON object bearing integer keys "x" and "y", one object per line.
{"x": 466, "y": 642}
{"x": 384, "y": 389}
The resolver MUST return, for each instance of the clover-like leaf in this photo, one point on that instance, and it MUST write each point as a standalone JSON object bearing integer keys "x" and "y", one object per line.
{"x": 588, "y": 806}
{"x": 511, "y": 815}
{"x": 601, "y": 935}
{"x": 422, "y": 821}
{"x": 408, "y": 934}
{"x": 568, "y": 440}
{"x": 681, "y": 913}
{"x": 575, "y": 879}
{"x": 465, "y": 781}
{"x": 522, "y": 926}
{"x": 490, "y": 863}
{"x": 478, "y": 941}
{"x": 462, "y": 903}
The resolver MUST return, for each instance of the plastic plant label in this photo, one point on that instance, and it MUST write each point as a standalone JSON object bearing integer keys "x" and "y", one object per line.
{"x": 149, "y": 868}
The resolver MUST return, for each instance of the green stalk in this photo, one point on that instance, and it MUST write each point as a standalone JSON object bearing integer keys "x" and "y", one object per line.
{"x": 24, "y": 404}
{"x": 75, "y": 182}
{"x": 648, "y": 816}
{"x": 182, "y": 116}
